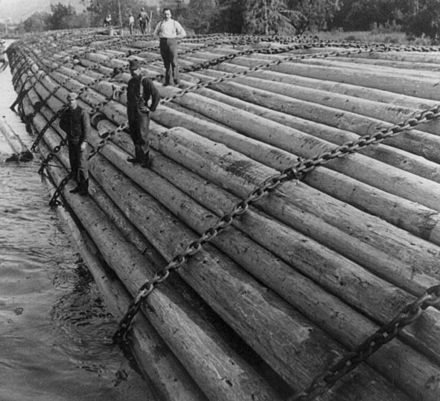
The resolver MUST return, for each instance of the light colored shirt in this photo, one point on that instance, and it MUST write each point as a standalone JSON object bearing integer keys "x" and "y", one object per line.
{"x": 169, "y": 29}
{"x": 131, "y": 19}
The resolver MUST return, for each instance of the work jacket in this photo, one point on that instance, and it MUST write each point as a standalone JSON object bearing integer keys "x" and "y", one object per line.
{"x": 139, "y": 95}
{"x": 76, "y": 124}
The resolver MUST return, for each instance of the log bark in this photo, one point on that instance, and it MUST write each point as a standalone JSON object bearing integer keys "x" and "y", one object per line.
{"x": 132, "y": 207}
{"x": 166, "y": 374}
{"x": 214, "y": 366}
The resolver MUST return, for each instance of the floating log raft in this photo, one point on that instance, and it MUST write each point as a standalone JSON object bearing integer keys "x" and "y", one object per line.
{"x": 294, "y": 280}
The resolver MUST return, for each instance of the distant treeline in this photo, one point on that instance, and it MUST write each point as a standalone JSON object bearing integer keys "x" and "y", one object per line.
{"x": 414, "y": 17}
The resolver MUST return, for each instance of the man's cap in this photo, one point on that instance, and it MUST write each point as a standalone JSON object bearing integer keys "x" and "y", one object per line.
{"x": 72, "y": 96}
{"x": 134, "y": 65}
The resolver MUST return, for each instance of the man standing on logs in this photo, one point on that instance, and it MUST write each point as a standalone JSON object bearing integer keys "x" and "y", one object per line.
{"x": 144, "y": 20}
{"x": 75, "y": 122}
{"x": 140, "y": 91}
{"x": 169, "y": 30}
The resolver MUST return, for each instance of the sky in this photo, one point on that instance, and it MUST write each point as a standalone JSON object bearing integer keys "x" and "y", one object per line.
{"x": 17, "y": 10}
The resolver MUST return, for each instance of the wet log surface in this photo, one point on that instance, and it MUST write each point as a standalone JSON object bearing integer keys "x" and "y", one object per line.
{"x": 312, "y": 268}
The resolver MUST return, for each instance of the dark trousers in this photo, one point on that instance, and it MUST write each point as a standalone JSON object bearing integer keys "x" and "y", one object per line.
{"x": 143, "y": 26}
{"x": 78, "y": 162}
{"x": 138, "y": 124}
{"x": 168, "y": 51}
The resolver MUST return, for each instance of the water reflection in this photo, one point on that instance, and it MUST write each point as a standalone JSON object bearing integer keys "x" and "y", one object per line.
{"x": 54, "y": 328}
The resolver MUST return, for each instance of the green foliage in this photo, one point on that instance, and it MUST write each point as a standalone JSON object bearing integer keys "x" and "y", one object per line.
{"x": 267, "y": 17}
{"x": 424, "y": 20}
{"x": 37, "y": 22}
{"x": 200, "y": 16}
{"x": 61, "y": 16}
{"x": 230, "y": 16}
{"x": 312, "y": 14}
{"x": 99, "y": 9}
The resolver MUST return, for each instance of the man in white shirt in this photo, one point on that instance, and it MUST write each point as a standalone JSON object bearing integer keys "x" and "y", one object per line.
{"x": 169, "y": 30}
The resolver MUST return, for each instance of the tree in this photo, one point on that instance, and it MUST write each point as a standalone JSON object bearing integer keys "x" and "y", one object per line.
{"x": 99, "y": 9}
{"x": 317, "y": 14}
{"x": 61, "y": 16}
{"x": 201, "y": 15}
{"x": 37, "y": 22}
{"x": 424, "y": 19}
{"x": 266, "y": 17}
{"x": 230, "y": 16}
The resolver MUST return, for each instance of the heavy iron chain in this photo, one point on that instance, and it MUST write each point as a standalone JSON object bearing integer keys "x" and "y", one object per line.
{"x": 54, "y": 200}
{"x": 411, "y": 312}
{"x": 105, "y": 138}
{"x": 43, "y": 131}
{"x": 296, "y": 172}
{"x": 51, "y": 155}
{"x": 269, "y": 64}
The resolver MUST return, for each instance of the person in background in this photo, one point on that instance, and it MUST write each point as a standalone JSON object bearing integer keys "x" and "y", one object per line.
{"x": 169, "y": 30}
{"x": 108, "y": 21}
{"x": 144, "y": 20}
{"x": 131, "y": 23}
{"x": 75, "y": 122}
{"x": 142, "y": 99}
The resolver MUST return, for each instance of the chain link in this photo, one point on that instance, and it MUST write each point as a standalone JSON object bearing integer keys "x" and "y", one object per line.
{"x": 295, "y": 172}
{"x": 382, "y": 336}
{"x": 54, "y": 200}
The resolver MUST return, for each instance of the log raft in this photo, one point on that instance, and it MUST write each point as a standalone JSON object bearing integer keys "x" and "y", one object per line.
{"x": 310, "y": 270}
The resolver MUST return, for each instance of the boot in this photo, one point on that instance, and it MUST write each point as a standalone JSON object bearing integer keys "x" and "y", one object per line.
{"x": 146, "y": 161}
{"x": 76, "y": 189}
{"x": 84, "y": 188}
{"x": 139, "y": 155}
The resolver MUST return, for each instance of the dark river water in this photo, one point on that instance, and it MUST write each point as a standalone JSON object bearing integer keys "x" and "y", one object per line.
{"x": 54, "y": 327}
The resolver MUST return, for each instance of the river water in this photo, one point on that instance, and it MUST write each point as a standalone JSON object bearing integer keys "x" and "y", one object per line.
{"x": 54, "y": 327}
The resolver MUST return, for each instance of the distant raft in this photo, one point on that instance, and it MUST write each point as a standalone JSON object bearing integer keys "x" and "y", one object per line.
{"x": 20, "y": 152}
{"x": 292, "y": 210}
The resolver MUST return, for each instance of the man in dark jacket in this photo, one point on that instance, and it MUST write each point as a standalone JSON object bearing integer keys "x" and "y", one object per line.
{"x": 144, "y": 20}
{"x": 75, "y": 122}
{"x": 142, "y": 98}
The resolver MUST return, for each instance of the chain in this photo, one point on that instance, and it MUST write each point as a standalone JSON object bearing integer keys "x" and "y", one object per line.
{"x": 51, "y": 155}
{"x": 295, "y": 172}
{"x": 382, "y": 336}
{"x": 105, "y": 138}
{"x": 229, "y": 76}
{"x": 54, "y": 200}
{"x": 43, "y": 131}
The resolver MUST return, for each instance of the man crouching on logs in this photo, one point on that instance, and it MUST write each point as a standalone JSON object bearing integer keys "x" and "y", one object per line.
{"x": 140, "y": 90}
{"x": 75, "y": 122}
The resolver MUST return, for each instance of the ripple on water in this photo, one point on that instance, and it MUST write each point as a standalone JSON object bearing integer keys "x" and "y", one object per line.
{"x": 54, "y": 327}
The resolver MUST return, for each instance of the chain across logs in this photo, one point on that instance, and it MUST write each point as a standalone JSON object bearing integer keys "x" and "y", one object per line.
{"x": 385, "y": 334}
{"x": 409, "y": 314}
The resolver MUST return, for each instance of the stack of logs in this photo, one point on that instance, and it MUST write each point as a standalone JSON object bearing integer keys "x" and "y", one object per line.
{"x": 305, "y": 275}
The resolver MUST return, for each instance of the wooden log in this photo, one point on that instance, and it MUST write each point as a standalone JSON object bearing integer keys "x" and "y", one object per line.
{"x": 376, "y": 109}
{"x": 259, "y": 262}
{"x": 356, "y": 166}
{"x": 149, "y": 213}
{"x": 218, "y": 370}
{"x": 411, "y": 216}
{"x": 422, "y": 227}
{"x": 350, "y": 232}
{"x": 387, "y": 154}
{"x": 411, "y": 57}
{"x": 398, "y": 68}
{"x": 337, "y": 87}
{"x": 424, "y": 88}
{"x": 166, "y": 373}
{"x": 14, "y": 144}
